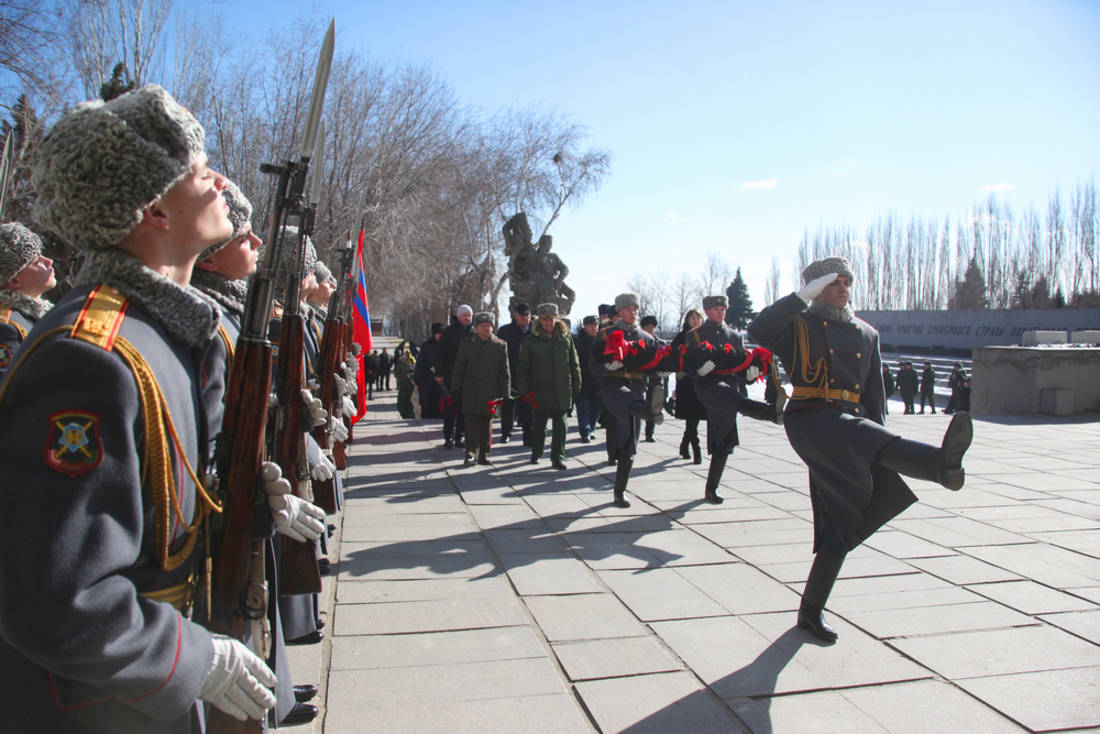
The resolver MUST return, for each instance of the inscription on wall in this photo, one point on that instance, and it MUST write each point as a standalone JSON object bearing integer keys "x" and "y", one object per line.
{"x": 969, "y": 329}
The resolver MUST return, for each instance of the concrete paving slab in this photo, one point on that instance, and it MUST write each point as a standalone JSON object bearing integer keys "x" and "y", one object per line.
{"x": 1032, "y": 598}
{"x": 1046, "y": 564}
{"x": 1084, "y": 624}
{"x": 627, "y": 656}
{"x": 903, "y": 545}
{"x": 999, "y": 652}
{"x": 1052, "y": 700}
{"x": 740, "y": 588}
{"x": 426, "y": 615}
{"x": 957, "y": 532}
{"x": 661, "y": 593}
{"x": 656, "y": 704}
{"x": 847, "y": 605}
{"x": 355, "y": 591}
{"x": 549, "y": 714}
{"x": 546, "y": 573}
{"x": 505, "y": 516}
{"x": 359, "y": 652}
{"x": 888, "y": 623}
{"x": 962, "y": 569}
{"x": 583, "y": 617}
{"x": 524, "y": 540}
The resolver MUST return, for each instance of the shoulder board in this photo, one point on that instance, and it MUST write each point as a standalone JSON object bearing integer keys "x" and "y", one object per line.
{"x": 101, "y": 317}
{"x": 5, "y": 318}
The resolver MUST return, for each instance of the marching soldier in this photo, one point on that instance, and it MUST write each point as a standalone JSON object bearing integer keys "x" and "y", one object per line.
{"x": 103, "y": 419}
{"x": 25, "y": 274}
{"x": 835, "y": 421}
{"x": 624, "y": 393}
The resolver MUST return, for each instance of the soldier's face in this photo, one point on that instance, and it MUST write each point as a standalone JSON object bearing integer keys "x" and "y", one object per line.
{"x": 629, "y": 314}
{"x": 35, "y": 278}
{"x": 837, "y": 293}
{"x": 546, "y": 323}
{"x": 716, "y": 313}
{"x": 236, "y": 260}
{"x": 193, "y": 211}
{"x": 484, "y": 330}
{"x": 592, "y": 329}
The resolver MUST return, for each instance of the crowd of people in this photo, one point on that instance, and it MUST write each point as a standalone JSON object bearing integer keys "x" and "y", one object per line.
{"x": 906, "y": 382}
{"x": 135, "y": 413}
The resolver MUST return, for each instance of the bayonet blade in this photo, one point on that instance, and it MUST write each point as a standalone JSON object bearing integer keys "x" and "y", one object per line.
{"x": 318, "y": 166}
{"x": 320, "y": 83}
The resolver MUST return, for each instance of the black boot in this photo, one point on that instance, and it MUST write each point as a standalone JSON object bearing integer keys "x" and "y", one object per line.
{"x": 819, "y": 585}
{"x": 684, "y": 448}
{"x": 622, "y": 476}
{"x": 696, "y": 453}
{"x": 714, "y": 475}
{"x": 922, "y": 461}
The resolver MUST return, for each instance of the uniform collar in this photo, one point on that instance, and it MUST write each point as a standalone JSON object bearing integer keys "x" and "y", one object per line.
{"x": 230, "y": 294}
{"x": 843, "y": 315}
{"x": 32, "y": 308}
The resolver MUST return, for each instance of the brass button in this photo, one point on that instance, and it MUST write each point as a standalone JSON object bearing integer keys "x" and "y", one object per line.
{"x": 832, "y": 351}
{"x": 832, "y": 380}
{"x": 824, "y": 323}
{"x": 856, "y": 386}
{"x": 858, "y": 355}
{"x": 843, "y": 394}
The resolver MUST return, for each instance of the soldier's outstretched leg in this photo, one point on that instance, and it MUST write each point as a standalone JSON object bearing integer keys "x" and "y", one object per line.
{"x": 761, "y": 411}
{"x": 923, "y": 461}
{"x": 714, "y": 476}
{"x": 819, "y": 585}
{"x": 622, "y": 476}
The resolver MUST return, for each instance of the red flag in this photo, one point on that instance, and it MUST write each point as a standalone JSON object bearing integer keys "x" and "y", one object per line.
{"x": 360, "y": 332}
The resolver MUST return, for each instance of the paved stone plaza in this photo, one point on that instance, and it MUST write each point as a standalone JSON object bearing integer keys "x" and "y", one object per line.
{"x": 516, "y": 598}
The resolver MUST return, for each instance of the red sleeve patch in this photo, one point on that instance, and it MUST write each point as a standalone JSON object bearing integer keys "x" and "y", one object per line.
{"x": 74, "y": 446}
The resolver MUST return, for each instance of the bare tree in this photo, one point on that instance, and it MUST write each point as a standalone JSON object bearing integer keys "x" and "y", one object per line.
{"x": 104, "y": 33}
{"x": 771, "y": 287}
{"x": 715, "y": 275}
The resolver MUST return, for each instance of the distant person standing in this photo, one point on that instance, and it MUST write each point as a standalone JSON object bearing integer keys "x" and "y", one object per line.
{"x": 688, "y": 407}
{"x": 515, "y": 411}
{"x": 385, "y": 367}
{"x": 370, "y": 372}
{"x": 928, "y": 387}
{"x": 649, "y": 326}
{"x": 955, "y": 382}
{"x": 588, "y": 399}
{"x": 887, "y": 387}
{"x": 907, "y": 385}
{"x": 964, "y": 396}
{"x": 460, "y": 329}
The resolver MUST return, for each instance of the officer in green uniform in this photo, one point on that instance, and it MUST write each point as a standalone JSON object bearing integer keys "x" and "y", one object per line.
{"x": 480, "y": 381}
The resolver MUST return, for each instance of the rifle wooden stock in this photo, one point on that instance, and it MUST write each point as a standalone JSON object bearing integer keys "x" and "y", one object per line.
{"x": 298, "y": 571}
{"x": 236, "y": 599}
{"x": 348, "y": 338}
{"x": 325, "y": 492}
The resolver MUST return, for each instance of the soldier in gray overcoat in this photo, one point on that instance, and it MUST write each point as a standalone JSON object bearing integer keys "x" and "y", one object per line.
{"x": 480, "y": 379}
{"x": 548, "y": 375}
{"x": 624, "y": 393}
{"x": 835, "y": 422}
{"x": 105, "y": 442}
{"x": 25, "y": 274}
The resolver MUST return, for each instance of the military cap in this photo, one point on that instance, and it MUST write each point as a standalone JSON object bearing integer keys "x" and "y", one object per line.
{"x": 623, "y": 300}
{"x": 712, "y": 301}
{"x": 521, "y": 307}
{"x": 289, "y": 249}
{"x": 605, "y": 309}
{"x": 833, "y": 264}
{"x": 18, "y": 248}
{"x": 547, "y": 309}
{"x": 591, "y": 320}
{"x": 483, "y": 317}
{"x": 240, "y": 216}
{"x": 322, "y": 272}
{"x": 102, "y": 163}
{"x": 649, "y": 321}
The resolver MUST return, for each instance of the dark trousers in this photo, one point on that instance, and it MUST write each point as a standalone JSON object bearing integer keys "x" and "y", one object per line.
{"x": 588, "y": 412}
{"x": 453, "y": 424}
{"x": 514, "y": 412}
{"x": 907, "y": 398}
{"x": 477, "y": 434}
{"x": 538, "y": 435}
{"x": 930, "y": 396}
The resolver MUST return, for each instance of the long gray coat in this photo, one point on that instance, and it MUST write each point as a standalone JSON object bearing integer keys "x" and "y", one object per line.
{"x": 481, "y": 374}
{"x": 839, "y": 440}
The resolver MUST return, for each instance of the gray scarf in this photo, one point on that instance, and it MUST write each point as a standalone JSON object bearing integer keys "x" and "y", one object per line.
{"x": 843, "y": 315}
{"x": 32, "y": 308}
{"x": 231, "y": 294}
{"x": 185, "y": 313}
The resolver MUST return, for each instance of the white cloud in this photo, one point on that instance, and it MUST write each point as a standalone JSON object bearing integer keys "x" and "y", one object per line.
{"x": 674, "y": 217}
{"x": 767, "y": 183}
{"x": 1002, "y": 186}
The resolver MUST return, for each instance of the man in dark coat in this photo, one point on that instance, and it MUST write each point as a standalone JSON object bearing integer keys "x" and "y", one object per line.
{"x": 624, "y": 393}
{"x": 955, "y": 382}
{"x": 460, "y": 329}
{"x": 649, "y": 326}
{"x": 588, "y": 399}
{"x": 907, "y": 385}
{"x": 548, "y": 375}
{"x": 385, "y": 367}
{"x": 515, "y": 411}
{"x": 835, "y": 423}
{"x": 480, "y": 380}
{"x": 928, "y": 387}
{"x": 424, "y": 375}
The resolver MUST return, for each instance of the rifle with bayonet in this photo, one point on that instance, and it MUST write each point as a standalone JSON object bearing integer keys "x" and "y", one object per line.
{"x": 237, "y": 596}
{"x": 331, "y": 359}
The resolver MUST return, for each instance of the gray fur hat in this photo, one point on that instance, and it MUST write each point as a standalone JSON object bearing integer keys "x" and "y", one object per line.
{"x": 18, "y": 248}
{"x": 103, "y": 163}
{"x": 547, "y": 309}
{"x": 624, "y": 300}
{"x": 483, "y": 317}
{"x": 321, "y": 271}
{"x": 240, "y": 216}
{"x": 288, "y": 248}
{"x": 833, "y": 264}
{"x": 712, "y": 301}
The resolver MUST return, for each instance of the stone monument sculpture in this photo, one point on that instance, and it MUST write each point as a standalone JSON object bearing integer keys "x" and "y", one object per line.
{"x": 537, "y": 275}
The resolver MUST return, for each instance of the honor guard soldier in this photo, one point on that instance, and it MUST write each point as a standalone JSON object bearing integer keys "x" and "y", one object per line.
{"x": 624, "y": 393}
{"x": 25, "y": 274}
{"x": 104, "y": 441}
{"x": 835, "y": 421}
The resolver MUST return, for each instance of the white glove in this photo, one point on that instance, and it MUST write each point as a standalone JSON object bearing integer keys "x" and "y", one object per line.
{"x": 338, "y": 430}
{"x": 705, "y": 368}
{"x": 614, "y": 366}
{"x": 323, "y": 469}
{"x": 347, "y": 405}
{"x": 811, "y": 290}
{"x": 356, "y": 349}
{"x": 351, "y": 364}
{"x": 293, "y": 516}
{"x": 317, "y": 414}
{"x": 238, "y": 681}
{"x": 752, "y": 372}
{"x": 340, "y": 385}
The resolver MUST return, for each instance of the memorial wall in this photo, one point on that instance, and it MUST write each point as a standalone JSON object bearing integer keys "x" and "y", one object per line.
{"x": 956, "y": 331}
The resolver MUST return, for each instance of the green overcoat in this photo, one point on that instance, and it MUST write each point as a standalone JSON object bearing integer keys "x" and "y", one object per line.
{"x": 480, "y": 374}
{"x": 548, "y": 366}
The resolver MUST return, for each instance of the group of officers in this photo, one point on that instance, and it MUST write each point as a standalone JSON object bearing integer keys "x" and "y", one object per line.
{"x": 112, "y": 403}
{"x": 113, "y": 398}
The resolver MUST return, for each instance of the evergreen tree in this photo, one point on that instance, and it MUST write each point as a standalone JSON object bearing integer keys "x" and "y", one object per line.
{"x": 740, "y": 312}
{"x": 969, "y": 294}
{"x": 119, "y": 83}
{"x": 26, "y": 133}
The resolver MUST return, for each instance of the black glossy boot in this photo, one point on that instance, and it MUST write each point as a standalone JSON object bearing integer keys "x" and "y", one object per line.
{"x": 714, "y": 476}
{"x": 922, "y": 461}
{"x": 684, "y": 448}
{"x": 696, "y": 453}
{"x": 819, "y": 585}
{"x": 622, "y": 476}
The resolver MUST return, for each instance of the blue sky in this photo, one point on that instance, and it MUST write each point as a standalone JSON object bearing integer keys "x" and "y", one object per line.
{"x": 735, "y": 126}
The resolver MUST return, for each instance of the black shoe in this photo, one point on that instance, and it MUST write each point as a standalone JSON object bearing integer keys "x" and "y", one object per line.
{"x": 611, "y": 461}
{"x": 309, "y": 639}
{"x": 814, "y": 621}
{"x": 331, "y": 529}
{"x": 684, "y": 449}
{"x": 460, "y": 443}
{"x": 468, "y": 461}
{"x": 650, "y": 439}
{"x": 505, "y": 439}
{"x": 305, "y": 693}
{"x": 956, "y": 441}
{"x": 586, "y": 439}
{"x": 483, "y": 461}
{"x": 320, "y": 624}
{"x": 559, "y": 465}
{"x": 713, "y": 497}
{"x": 534, "y": 459}
{"x": 621, "y": 500}
{"x": 302, "y": 713}
{"x": 448, "y": 444}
